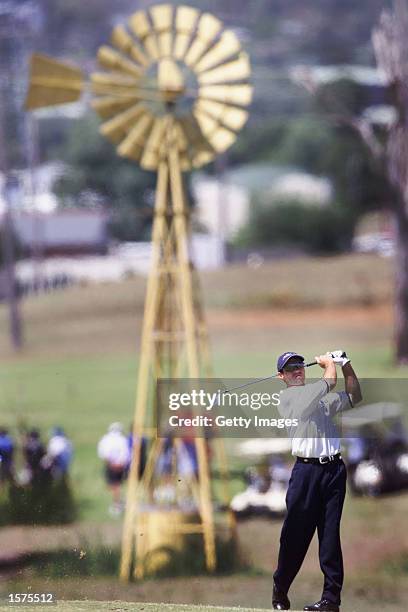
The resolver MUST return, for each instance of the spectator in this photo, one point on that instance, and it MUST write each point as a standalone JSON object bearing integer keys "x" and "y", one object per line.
{"x": 59, "y": 453}
{"x": 113, "y": 449}
{"x": 143, "y": 449}
{"x": 164, "y": 465}
{"x": 6, "y": 456}
{"x": 187, "y": 465}
{"x": 33, "y": 451}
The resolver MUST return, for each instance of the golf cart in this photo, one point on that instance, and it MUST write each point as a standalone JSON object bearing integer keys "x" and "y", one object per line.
{"x": 267, "y": 483}
{"x": 377, "y": 449}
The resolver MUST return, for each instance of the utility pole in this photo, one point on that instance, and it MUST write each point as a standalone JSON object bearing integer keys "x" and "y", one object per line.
{"x": 220, "y": 164}
{"x": 11, "y": 192}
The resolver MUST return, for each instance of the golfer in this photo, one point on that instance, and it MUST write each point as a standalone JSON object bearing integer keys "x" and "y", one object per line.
{"x": 317, "y": 486}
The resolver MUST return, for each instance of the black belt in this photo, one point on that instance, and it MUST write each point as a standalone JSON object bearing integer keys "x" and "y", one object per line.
{"x": 320, "y": 460}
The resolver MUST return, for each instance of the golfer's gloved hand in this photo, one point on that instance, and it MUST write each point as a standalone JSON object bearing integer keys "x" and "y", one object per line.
{"x": 339, "y": 357}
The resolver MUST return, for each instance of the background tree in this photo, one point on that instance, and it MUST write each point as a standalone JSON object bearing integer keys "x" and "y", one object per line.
{"x": 97, "y": 176}
{"x": 388, "y": 147}
{"x": 391, "y": 50}
{"x": 318, "y": 229}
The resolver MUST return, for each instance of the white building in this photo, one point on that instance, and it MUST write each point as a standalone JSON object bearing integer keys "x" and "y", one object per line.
{"x": 223, "y": 206}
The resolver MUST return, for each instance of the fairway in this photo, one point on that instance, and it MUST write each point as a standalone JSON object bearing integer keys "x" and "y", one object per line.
{"x": 84, "y": 606}
{"x": 79, "y": 364}
{"x": 78, "y": 370}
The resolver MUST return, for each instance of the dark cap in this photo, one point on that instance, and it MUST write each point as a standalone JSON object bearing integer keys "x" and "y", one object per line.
{"x": 284, "y": 358}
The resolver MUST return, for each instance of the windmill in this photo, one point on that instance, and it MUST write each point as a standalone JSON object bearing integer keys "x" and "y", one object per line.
{"x": 172, "y": 96}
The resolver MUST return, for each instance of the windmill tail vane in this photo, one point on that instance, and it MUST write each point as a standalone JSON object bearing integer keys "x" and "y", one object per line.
{"x": 172, "y": 94}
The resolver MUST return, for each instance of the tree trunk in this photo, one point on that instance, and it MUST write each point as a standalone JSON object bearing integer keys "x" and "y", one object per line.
{"x": 401, "y": 283}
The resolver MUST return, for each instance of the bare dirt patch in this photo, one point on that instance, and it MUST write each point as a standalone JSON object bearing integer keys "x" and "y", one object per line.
{"x": 351, "y": 316}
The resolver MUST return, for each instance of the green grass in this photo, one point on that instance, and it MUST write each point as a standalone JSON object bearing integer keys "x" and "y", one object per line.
{"x": 78, "y": 369}
{"x": 84, "y": 396}
{"x": 79, "y": 363}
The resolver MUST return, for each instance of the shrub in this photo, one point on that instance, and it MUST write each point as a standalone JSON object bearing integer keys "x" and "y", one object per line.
{"x": 316, "y": 229}
{"x": 44, "y": 502}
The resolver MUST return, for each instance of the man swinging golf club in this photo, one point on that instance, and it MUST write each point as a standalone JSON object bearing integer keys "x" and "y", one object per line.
{"x": 318, "y": 482}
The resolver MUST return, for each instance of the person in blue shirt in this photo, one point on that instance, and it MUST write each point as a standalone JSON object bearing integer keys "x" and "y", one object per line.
{"x": 6, "y": 456}
{"x": 59, "y": 453}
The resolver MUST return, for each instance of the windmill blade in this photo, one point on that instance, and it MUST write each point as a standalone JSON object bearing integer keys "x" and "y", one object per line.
{"x": 231, "y": 117}
{"x": 180, "y": 138}
{"x": 122, "y": 40}
{"x": 199, "y": 151}
{"x": 208, "y": 125}
{"x": 183, "y": 145}
{"x": 110, "y": 105}
{"x": 201, "y": 158}
{"x": 222, "y": 139}
{"x": 234, "y": 118}
{"x": 52, "y": 82}
{"x": 162, "y": 18}
{"x": 186, "y": 19}
{"x": 192, "y": 130}
{"x": 218, "y": 136}
{"x": 116, "y": 84}
{"x": 227, "y": 46}
{"x": 208, "y": 28}
{"x": 169, "y": 76}
{"x": 240, "y": 95}
{"x": 112, "y": 60}
{"x": 139, "y": 24}
{"x": 185, "y": 163}
{"x": 185, "y": 151}
{"x": 152, "y": 150}
{"x": 132, "y": 145}
{"x": 237, "y": 70}
{"x": 118, "y": 127}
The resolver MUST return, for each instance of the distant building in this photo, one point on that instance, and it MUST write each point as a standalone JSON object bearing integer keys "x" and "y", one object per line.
{"x": 223, "y": 206}
{"x": 36, "y": 188}
{"x": 63, "y": 233}
{"x": 375, "y": 233}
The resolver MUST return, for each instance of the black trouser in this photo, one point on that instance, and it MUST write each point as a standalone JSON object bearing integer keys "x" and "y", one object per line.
{"x": 315, "y": 498}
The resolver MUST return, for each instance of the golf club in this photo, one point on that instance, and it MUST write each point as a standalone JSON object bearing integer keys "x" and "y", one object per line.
{"x": 258, "y": 380}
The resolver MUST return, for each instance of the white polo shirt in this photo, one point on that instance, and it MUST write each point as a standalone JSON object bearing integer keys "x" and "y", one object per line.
{"x": 314, "y": 406}
{"x": 114, "y": 448}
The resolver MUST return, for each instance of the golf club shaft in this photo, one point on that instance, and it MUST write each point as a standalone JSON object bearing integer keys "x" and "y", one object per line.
{"x": 258, "y": 380}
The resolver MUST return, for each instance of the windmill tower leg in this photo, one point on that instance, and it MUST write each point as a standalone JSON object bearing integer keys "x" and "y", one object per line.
{"x": 192, "y": 326}
{"x": 144, "y": 371}
{"x": 171, "y": 268}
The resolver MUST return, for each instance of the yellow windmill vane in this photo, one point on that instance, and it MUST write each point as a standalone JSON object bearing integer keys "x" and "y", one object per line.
{"x": 173, "y": 94}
